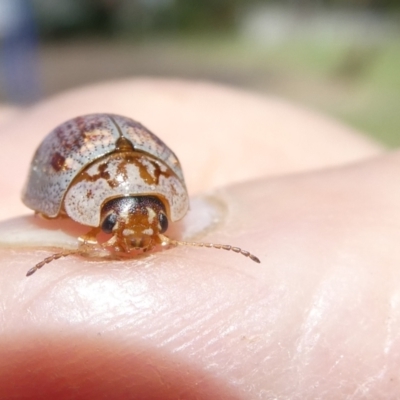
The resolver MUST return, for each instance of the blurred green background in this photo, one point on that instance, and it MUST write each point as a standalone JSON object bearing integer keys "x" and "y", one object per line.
{"x": 339, "y": 57}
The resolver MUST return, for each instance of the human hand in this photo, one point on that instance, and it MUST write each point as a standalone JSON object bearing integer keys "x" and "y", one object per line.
{"x": 317, "y": 318}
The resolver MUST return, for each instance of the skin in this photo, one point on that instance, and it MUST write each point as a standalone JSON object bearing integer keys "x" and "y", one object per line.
{"x": 319, "y": 318}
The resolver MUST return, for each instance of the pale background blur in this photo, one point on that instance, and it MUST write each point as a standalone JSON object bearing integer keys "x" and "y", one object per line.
{"x": 341, "y": 57}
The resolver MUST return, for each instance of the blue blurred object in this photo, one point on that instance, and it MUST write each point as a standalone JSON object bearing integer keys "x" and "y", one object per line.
{"x": 19, "y": 52}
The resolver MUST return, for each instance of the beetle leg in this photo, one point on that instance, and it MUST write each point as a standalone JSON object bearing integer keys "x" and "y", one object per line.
{"x": 42, "y": 216}
{"x": 148, "y": 248}
{"x": 90, "y": 237}
{"x": 110, "y": 242}
{"x": 115, "y": 244}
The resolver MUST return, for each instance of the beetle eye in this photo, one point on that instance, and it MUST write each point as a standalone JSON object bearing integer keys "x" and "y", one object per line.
{"x": 163, "y": 220}
{"x": 109, "y": 223}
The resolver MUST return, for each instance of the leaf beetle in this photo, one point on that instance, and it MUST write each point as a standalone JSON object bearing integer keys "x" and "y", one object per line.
{"x": 112, "y": 174}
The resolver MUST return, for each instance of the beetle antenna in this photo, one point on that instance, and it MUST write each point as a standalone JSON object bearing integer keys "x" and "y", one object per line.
{"x": 51, "y": 258}
{"x": 216, "y": 246}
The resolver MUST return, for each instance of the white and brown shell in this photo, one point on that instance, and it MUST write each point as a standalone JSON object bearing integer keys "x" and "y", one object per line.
{"x": 93, "y": 158}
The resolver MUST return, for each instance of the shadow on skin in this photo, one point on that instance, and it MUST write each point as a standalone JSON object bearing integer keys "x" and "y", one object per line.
{"x": 95, "y": 364}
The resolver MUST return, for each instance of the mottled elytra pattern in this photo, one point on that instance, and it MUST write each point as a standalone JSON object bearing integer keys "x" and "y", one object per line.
{"x": 147, "y": 142}
{"x": 75, "y": 145}
{"x": 123, "y": 174}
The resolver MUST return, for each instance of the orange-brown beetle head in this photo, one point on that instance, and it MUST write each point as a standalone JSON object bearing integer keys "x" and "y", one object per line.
{"x": 135, "y": 222}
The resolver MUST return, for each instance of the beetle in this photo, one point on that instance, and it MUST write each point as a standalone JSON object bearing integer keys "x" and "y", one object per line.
{"x": 112, "y": 174}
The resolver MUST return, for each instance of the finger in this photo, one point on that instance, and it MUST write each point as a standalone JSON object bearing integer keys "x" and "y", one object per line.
{"x": 7, "y": 114}
{"x": 220, "y": 135}
{"x": 318, "y": 318}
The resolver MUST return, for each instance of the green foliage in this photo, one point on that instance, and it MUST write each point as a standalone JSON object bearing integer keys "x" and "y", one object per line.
{"x": 384, "y": 5}
{"x": 195, "y": 15}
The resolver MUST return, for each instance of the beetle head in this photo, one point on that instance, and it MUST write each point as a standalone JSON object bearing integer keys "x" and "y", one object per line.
{"x": 136, "y": 222}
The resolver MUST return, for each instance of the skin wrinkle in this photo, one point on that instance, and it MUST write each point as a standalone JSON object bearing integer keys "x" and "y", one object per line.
{"x": 189, "y": 316}
{"x": 322, "y": 297}
{"x": 309, "y": 335}
{"x": 213, "y": 311}
{"x": 192, "y": 315}
{"x": 234, "y": 342}
{"x": 204, "y": 350}
{"x": 343, "y": 300}
{"x": 199, "y": 318}
{"x": 82, "y": 293}
{"x": 121, "y": 305}
{"x": 193, "y": 326}
{"x": 365, "y": 387}
{"x": 208, "y": 336}
{"x": 392, "y": 321}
